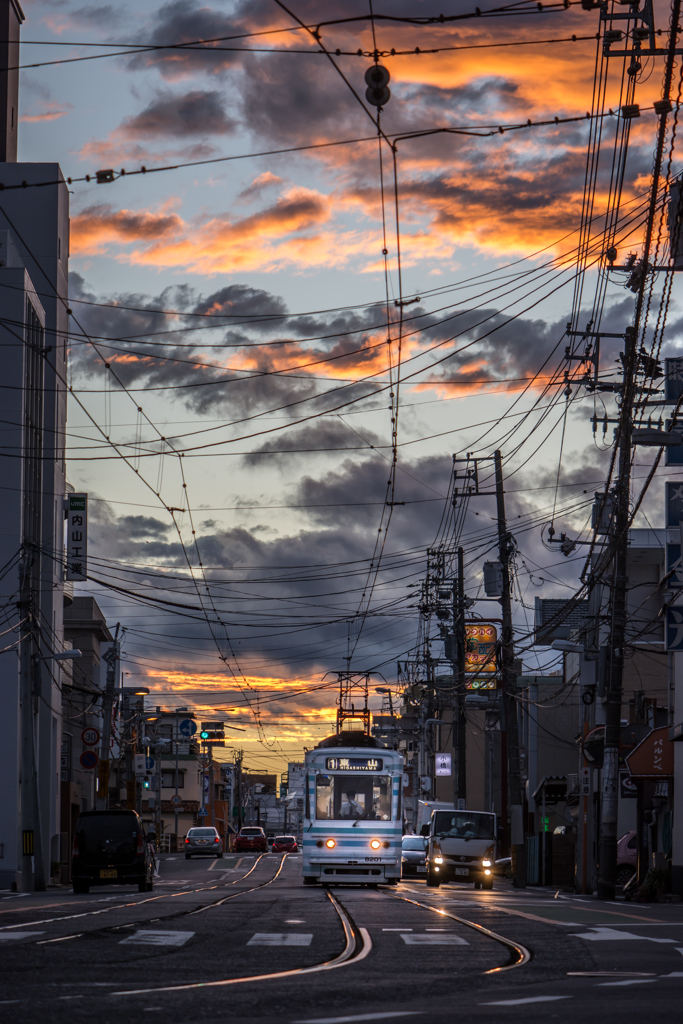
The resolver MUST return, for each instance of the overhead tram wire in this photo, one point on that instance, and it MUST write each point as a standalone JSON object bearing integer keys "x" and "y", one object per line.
{"x": 133, "y": 49}
{"x": 150, "y": 487}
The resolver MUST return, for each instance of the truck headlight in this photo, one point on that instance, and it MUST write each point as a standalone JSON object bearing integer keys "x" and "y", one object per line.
{"x": 438, "y": 860}
{"x": 486, "y": 863}
{"x": 487, "y": 872}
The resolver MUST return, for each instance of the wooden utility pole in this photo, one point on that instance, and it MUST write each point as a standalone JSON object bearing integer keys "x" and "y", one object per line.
{"x": 459, "y": 711}
{"x": 607, "y": 855}
{"x": 510, "y": 686}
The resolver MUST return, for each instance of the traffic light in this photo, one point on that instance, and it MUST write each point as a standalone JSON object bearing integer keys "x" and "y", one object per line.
{"x": 146, "y": 783}
{"x": 212, "y": 731}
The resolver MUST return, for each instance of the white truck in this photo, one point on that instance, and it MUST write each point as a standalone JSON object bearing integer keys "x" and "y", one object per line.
{"x": 424, "y": 812}
{"x": 461, "y": 847}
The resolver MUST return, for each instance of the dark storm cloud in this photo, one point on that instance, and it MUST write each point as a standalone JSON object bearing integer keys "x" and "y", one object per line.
{"x": 196, "y": 113}
{"x": 318, "y": 437}
{"x": 261, "y": 582}
{"x": 143, "y": 526}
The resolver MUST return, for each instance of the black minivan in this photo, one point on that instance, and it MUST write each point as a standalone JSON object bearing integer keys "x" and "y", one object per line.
{"x": 111, "y": 848}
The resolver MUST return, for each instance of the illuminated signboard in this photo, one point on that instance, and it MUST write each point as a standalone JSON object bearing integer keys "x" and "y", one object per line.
{"x": 481, "y": 666}
{"x": 354, "y": 764}
{"x": 480, "y": 653}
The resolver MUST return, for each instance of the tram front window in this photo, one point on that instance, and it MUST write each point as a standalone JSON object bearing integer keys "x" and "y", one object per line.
{"x": 339, "y": 798}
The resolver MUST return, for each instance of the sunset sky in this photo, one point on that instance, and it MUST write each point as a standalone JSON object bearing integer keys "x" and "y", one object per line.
{"x": 243, "y": 307}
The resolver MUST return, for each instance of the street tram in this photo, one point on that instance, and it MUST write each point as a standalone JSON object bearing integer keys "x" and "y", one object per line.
{"x": 353, "y": 814}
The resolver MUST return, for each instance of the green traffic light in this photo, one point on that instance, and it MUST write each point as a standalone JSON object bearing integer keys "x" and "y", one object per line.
{"x": 204, "y": 735}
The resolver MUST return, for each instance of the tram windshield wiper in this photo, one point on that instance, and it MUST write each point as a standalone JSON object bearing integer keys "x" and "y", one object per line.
{"x": 363, "y": 815}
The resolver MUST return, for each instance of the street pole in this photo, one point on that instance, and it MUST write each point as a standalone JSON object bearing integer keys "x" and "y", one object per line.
{"x": 175, "y": 802}
{"x": 607, "y": 856}
{"x": 461, "y": 728}
{"x": 509, "y": 685}
{"x": 111, "y": 658}
{"x": 32, "y": 867}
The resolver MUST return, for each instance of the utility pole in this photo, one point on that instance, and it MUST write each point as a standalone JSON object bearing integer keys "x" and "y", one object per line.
{"x": 111, "y": 658}
{"x": 607, "y": 855}
{"x": 32, "y": 867}
{"x": 459, "y": 711}
{"x": 510, "y": 685}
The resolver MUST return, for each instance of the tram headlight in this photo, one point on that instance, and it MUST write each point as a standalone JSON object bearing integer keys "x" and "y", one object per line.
{"x": 330, "y": 844}
{"x": 375, "y": 844}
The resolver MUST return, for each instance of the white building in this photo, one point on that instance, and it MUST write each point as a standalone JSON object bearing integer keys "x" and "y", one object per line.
{"x": 34, "y": 230}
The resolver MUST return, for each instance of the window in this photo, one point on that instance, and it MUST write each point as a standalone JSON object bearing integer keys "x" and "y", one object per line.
{"x": 632, "y": 844}
{"x": 414, "y": 843}
{"x": 168, "y": 779}
{"x": 365, "y": 797}
{"x": 463, "y": 825}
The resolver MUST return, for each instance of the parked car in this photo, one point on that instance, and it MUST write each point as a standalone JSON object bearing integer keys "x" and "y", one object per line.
{"x": 413, "y": 856}
{"x": 111, "y": 848}
{"x": 285, "y": 844}
{"x": 251, "y": 838}
{"x": 627, "y": 857}
{"x": 203, "y": 839}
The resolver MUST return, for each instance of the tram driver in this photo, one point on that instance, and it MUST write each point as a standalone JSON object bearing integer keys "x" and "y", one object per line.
{"x": 350, "y": 808}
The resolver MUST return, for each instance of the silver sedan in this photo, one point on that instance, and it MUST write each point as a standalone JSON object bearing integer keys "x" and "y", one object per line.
{"x": 203, "y": 840}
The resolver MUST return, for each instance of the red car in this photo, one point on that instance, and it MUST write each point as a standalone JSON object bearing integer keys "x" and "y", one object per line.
{"x": 285, "y": 844}
{"x": 249, "y": 839}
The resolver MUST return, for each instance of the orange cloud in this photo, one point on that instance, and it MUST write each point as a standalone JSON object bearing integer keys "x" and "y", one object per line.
{"x": 98, "y": 227}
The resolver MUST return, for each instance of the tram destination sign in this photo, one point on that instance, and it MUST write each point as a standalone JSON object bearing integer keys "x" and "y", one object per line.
{"x": 354, "y": 764}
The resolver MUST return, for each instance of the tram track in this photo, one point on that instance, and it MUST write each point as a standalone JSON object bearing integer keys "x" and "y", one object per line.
{"x": 358, "y": 946}
{"x": 150, "y": 899}
{"x": 521, "y": 954}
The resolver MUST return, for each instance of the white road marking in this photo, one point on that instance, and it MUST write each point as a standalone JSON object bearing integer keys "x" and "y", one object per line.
{"x": 295, "y": 920}
{"x": 674, "y": 974}
{"x": 361, "y": 1016}
{"x": 679, "y": 949}
{"x": 612, "y": 935}
{"x": 632, "y": 981}
{"x": 154, "y": 937}
{"x": 529, "y": 999}
{"x": 108, "y": 899}
{"x": 62, "y": 938}
{"x": 397, "y": 929}
{"x": 433, "y": 940}
{"x": 4, "y": 936}
{"x": 280, "y": 939}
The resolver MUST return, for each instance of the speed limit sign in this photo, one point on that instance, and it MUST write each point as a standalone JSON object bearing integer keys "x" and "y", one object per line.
{"x": 90, "y": 736}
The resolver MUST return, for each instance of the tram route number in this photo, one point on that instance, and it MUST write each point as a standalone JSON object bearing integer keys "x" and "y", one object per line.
{"x": 373, "y": 858}
{"x": 354, "y": 764}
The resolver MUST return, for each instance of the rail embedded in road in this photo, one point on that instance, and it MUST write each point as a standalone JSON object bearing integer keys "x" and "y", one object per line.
{"x": 358, "y": 946}
{"x": 521, "y": 953}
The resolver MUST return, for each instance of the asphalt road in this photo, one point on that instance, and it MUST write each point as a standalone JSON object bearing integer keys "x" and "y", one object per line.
{"x": 181, "y": 952}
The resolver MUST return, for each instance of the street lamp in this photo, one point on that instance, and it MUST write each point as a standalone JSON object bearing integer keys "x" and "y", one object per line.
{"x": 63, "y": 655}
{"x": 175, "y": 803}
{"x": 568, "y": 646}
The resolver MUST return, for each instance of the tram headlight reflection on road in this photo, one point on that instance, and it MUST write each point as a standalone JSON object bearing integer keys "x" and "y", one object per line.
{"x": 375, "y": 844}
{"x": 330, "y": 844}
